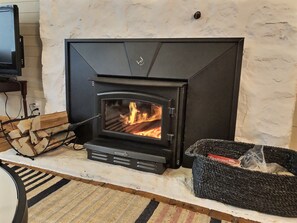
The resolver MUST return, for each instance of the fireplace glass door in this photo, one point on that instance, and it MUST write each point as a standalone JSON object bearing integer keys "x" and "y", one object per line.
{"x": 134, "y": 116}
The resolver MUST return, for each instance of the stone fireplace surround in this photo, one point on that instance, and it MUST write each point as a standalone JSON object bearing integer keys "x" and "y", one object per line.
{"x": 268, "y": 79}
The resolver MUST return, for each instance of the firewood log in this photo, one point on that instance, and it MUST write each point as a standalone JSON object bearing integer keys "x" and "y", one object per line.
{"x": 42, "y": 134}
{"x": 26, "y": 146}
{"x": 40, "y": 147}
{"x": 15, "y": 143}
{"x": 54, "y": 130}
{"x": 25, "y": 125}
{"x": 14, "y": 134}
{"x": 33, "y": 137}
{"x": 3, "y": 118}
{"x": 4, "y": 145}
{"x": 27, "y": 149}
{"x": 76, "y": 146}
{"x": 49, "y": 121}
{"x": 1, "y": 133}
{"x": 8, "y": 127}
{"x": 46, "y": 133}
{"x": 54, "y": 141}
{"x": 23, "y": 140}
{"x": 60, "y": 137}
{"x": 56, "y": 144}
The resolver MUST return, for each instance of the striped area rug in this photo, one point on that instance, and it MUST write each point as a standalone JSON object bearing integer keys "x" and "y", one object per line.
{"x": 55, "y": 199}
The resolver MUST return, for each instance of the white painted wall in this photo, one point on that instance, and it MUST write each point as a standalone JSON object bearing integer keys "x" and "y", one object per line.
{"x": 29, "y": 29}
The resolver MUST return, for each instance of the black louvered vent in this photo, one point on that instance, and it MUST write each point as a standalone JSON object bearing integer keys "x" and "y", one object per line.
{"x": 99, "y": 156}
{"x": 127, "y": 162}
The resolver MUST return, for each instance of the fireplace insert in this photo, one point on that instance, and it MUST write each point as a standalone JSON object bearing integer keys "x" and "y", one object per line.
{"x": 155, "y": 97}
{"x": 140, "y": 120}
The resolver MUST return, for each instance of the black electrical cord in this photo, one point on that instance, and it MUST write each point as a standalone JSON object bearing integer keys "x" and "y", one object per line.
{"x": 74, "y": 144}
{"x": 32, "y": 111}
{"x": 5, "y": 106}
{"x": 6, "y": 100}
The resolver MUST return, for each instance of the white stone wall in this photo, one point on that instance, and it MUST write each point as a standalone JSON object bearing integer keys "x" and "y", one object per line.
{"x": 293, "y": 143}
{"x": 269, "y": 72}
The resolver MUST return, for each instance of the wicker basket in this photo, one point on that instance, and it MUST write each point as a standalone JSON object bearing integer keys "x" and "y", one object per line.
{"x": 264, "y": 192}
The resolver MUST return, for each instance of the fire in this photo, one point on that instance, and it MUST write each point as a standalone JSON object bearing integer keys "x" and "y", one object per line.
{"x": 133, "y": 113}
{"x": 155, "y": 132}
{"x": 136, "y": 117}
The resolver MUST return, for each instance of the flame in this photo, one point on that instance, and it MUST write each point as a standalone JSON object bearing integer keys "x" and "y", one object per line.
{"x": 155, "y": 133}
{"x": 136, "y": 117}
{"x": 133, "y": 113}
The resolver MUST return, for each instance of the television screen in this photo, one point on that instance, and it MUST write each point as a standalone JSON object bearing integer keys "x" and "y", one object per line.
{"x": 10, "y": 41}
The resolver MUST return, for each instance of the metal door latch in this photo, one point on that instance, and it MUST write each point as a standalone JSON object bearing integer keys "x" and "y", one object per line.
{"x": 170, "y": 137}
{"x": 171, "y": 111}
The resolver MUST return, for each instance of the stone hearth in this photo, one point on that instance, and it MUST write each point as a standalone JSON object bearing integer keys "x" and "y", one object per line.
{"x": 174, "y": 183}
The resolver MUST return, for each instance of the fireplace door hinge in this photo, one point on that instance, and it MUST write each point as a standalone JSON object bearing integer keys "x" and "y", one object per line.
{"x": 170, "y": 137}
{"x": 171, "y": 111}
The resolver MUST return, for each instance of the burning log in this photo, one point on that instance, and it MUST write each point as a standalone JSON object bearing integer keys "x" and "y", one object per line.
{"x": 119, "y": 126}
{"x": 142, "y": 126}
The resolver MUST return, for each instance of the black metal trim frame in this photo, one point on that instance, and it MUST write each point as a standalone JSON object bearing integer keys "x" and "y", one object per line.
{"x": 21, "y": 213}
{"x": 118, "y": 95}
{"x": 138, "y": 82}
{"x": 236, "y": 86}
{"x": 183, "y": 94}
{"x": 163, "y": 40}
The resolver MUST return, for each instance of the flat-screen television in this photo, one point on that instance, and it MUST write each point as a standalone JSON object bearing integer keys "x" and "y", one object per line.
{"x": 11, "y": 43}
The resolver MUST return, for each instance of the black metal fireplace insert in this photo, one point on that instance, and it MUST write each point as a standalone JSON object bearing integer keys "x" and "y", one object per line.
{"x": 155, "y": 97}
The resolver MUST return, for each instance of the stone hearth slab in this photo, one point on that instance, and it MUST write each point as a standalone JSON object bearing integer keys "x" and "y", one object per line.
{"x": 174, "y": 183}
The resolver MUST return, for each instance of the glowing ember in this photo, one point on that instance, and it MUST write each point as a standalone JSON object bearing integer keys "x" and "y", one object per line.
{"x": 155, "y": 133}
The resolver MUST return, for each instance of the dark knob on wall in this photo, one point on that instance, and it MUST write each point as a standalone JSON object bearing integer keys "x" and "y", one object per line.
{"x": 197, "y": 15}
